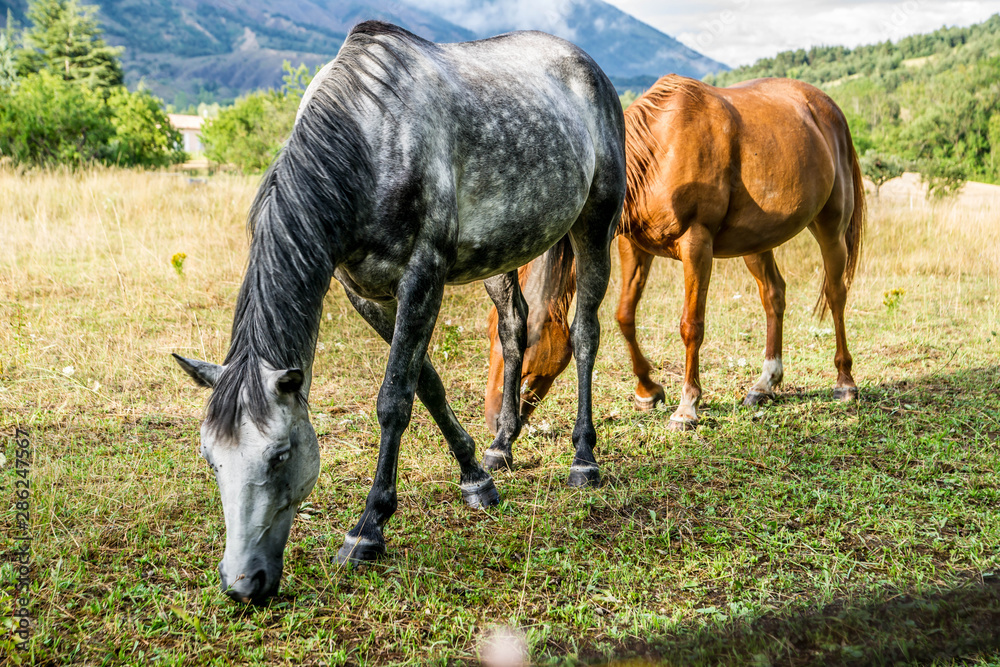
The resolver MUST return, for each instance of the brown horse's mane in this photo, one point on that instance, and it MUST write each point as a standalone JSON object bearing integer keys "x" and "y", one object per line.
{"x": 640, "y": 142}
{"x": 559, "y": 266}
{"x": 562, "y": 258}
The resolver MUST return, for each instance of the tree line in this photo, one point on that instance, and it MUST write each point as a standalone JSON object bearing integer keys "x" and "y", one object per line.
{"x": 63, "y": 98}
{"x": 928, "y": 103}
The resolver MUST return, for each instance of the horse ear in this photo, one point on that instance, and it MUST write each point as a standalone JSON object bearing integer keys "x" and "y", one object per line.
{"x": 290, "y": 381}
{"x": 202, "y": 372}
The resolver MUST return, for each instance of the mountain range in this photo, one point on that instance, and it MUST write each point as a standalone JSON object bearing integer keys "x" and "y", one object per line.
{"x": 188, "y": 51}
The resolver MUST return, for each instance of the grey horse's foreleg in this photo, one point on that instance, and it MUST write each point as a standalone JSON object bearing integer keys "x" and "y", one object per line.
{"x": 365, "y": 541}
{"x": 512, "y": 329}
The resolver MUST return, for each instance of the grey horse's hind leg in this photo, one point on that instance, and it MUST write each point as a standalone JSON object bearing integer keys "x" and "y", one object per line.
{"x": 591, "y": 237}
{"x": 512, "y": 321}
{"x": 476, "y": 484}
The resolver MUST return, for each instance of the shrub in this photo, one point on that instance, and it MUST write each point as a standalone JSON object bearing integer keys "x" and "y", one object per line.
{"x": 48, "y": 120}
{"x": 249, "y": 134}
{"x": 143, "y": 135}
{"x": 51, "y": 121}
{"x": 879, "y": 168}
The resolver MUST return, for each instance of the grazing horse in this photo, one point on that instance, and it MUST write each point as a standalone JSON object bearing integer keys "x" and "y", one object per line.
{"x": 716, "y": 172}
{"x": 411, "y": 165}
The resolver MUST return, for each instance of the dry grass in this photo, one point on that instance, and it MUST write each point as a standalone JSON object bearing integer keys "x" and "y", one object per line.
{"x": 703, "y": 545}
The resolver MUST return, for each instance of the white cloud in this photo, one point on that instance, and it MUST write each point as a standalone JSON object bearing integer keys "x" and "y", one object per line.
{"x": 487, "y": 16}
{"x": 738, "y": 32}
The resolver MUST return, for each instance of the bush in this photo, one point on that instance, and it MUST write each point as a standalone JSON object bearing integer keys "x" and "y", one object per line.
{"x": 51, "y": 121}
{"x": 249, "y": 134}
{"x": 47, "y": 120}
{"x": 143, "y": 135}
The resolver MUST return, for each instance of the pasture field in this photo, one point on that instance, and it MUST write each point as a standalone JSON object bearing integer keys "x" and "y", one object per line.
{"x": 803, "y": 532}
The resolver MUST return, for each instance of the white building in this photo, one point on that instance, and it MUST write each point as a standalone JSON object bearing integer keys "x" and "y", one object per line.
{"x": 190, "y": 129}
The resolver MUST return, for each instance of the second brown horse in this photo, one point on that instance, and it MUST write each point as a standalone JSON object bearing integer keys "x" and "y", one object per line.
{"x": 712, "y": 172}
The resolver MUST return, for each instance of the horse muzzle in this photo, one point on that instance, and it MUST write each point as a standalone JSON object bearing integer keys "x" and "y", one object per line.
{"x": 253, "y": 586}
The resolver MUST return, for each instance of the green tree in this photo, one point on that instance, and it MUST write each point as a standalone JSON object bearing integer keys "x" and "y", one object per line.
{"x": 142, "y": 132}
{"x": 65, "y": 38}
{"x": 880, "y": 168}
{"x": 8, "y": 52}
{"x": 993, "y": 132}
{"x": 249, "y": 134}
{"x": 8, "y": 63}
{"x": 52, "y": 121}
{"x": 68, "y": 104}
{"x": 943, "y": 178}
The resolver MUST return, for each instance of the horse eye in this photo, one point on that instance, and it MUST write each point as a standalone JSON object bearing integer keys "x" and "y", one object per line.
{"x": 280, "y": 457}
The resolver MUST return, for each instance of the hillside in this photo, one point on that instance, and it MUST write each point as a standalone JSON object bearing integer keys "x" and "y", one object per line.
{"x": 933, "y": 100}
{"x": 623, "y": 45}
{"x": 191, "y": 50}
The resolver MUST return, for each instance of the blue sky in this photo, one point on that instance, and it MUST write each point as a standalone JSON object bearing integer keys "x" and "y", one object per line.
{"x": 738, "y": 32}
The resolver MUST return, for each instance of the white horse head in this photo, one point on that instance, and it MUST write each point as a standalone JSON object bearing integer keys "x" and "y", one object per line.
{"x": 265, "y": 465}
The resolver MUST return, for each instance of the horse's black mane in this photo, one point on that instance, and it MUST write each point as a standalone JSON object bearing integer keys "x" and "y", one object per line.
{"x": 313, "y": 192}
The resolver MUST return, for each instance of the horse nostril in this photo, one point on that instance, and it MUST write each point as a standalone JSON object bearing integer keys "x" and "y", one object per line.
{"x": 248, "y": 589}
{"x": 259, "y": 581}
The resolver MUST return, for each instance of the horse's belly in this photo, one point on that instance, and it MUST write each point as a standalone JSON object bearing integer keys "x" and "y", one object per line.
{"x": 753, "y": 233}
{"x": 499, "y": 234}
{"x": 491, "y": 242}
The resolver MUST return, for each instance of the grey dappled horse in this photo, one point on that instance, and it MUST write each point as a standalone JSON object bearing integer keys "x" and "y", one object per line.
{"x": 411, "y": 165}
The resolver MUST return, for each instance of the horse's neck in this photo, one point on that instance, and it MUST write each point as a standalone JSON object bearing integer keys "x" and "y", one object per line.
{"x": 280, "y": 326}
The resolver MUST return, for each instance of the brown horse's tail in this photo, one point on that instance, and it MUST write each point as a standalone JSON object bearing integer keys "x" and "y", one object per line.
{"x": 854, "y": 235}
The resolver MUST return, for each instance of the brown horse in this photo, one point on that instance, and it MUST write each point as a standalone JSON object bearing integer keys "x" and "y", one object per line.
{"x": 716, "y": 172}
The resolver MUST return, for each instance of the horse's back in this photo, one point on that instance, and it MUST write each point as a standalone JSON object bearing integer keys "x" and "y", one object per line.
{"x": 537, "y": 123}
{"x": 487, "y": 151}
{"x": 755, "y": 162}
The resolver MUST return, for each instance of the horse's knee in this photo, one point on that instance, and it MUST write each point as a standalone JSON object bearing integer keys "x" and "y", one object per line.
{"x": 626, "y": 320}
{"x": 692, "y": 333}
{"x": 393, "y": 410}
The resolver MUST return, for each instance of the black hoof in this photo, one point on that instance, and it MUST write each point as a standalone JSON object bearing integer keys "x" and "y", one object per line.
{"x": 494, "y": 460}
{"x": 357, "y": 550}
{"x": 584, "y": 475}
{"x": 845, "y": 394}
{"x": 756, "y": 398}
{"x": 481, "y": 495}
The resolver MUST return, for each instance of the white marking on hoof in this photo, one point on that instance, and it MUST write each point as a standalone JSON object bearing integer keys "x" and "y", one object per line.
{"x": 475, "y": 487}
{"x": 676, "y": 423}
{"x": 583, "y": 468}
{"x": 356, "y": 541}
{"x": 645, "y": 400}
